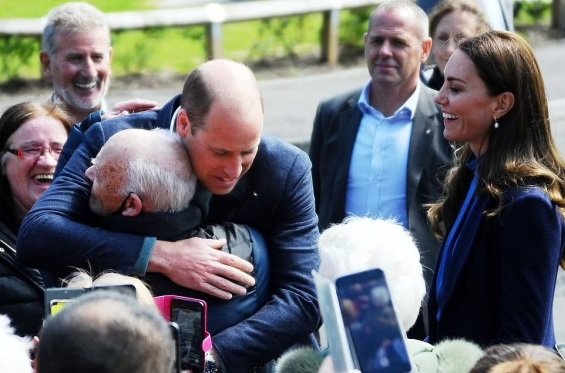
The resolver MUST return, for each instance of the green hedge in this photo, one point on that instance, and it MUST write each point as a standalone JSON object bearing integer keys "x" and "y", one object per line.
{"x": 178, "y": 50}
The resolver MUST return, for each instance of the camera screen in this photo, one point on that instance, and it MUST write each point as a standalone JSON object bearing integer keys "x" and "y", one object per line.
{"x": 372, "y": 326}
{"x": 188, "y": 316}
{"x": 57, "y": 305}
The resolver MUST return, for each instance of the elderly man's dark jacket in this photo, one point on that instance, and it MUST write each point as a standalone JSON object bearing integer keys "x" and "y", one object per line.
{"x": 21, "y": 288}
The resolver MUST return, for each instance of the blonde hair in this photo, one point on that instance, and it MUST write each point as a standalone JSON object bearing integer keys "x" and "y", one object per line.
{"x": 82, "y": 279}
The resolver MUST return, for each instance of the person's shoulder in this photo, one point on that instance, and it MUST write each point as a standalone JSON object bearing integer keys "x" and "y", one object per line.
{"x": 531, "y": 203}
{"x": 426, "y": 73}
{"x": 148, "y": 119}
{"x": 274, "y": 147}
{"x": 431, "y": 76}
{"x": 428, "y": 93}
{"x": 527, "y": 195}
{"x": 347, "y": 99}
{"x": 277, "y": 154}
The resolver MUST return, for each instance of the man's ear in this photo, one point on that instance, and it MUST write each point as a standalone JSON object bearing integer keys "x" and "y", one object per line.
{"x": 183, "y": 124}
{"x": 426, "y": 49}
{"x": 504, "y": 104}
{"x": 45, "y": 65}
{"x": 133, "y": 205}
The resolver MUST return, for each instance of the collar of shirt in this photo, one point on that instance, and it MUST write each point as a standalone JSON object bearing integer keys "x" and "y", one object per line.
{"x": 408, "y": 107}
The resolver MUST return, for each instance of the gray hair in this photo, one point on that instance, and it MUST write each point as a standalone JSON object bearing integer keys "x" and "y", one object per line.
{"x": 69, "y": 18}
{"x": 168, "y": 180}
{"x": 418, "y": 12}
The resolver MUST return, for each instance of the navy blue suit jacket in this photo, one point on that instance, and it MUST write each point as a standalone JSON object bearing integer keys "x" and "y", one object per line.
{"x": 275, "y": 197}
{"x": 503, "y": 292}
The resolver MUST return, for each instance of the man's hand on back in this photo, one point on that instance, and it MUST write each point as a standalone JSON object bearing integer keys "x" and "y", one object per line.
{"x": 199, "y": 264}
{"x": 129, "y": 107}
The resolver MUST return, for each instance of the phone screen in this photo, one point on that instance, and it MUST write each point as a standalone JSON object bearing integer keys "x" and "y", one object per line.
{"x": 57, "y": 305}
{"x": 55, "y": 299}
{"x": 371, "y": 323}
{"x": 189, "y": 317}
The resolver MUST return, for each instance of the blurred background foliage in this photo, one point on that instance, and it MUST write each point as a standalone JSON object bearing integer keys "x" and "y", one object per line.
{"x": 178, "y": 50}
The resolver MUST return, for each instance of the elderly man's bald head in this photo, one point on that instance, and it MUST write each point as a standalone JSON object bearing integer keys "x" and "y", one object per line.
{"x": 152, "y": 166}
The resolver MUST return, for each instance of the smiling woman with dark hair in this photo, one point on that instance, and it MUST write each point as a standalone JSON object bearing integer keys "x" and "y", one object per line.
{"x": 31, "y": 138}
{"x": 502, "y": 216}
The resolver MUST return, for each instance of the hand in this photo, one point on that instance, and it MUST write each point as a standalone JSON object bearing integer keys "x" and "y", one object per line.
{"x": 199, "y": 264}
{"x": 128, "y": 107}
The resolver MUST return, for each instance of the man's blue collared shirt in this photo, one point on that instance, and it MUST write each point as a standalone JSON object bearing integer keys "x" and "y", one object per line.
{"x": 376, "y": 184}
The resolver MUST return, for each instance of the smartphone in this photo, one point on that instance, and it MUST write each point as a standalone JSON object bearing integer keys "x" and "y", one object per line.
{"x": 191, "y": 319}
{"x": 560, "y": 348}
{"x": 56, "y": 298}
{"x": 375, "y": 336}
{"x": 175, "y": 334}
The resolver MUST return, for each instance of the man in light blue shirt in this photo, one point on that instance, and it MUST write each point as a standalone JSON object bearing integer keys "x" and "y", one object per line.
{"x": 382, "y": 146}
{"x": 380, "y": 151}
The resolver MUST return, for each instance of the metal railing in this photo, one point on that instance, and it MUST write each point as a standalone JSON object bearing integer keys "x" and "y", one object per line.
{"x": 213, "y": 16}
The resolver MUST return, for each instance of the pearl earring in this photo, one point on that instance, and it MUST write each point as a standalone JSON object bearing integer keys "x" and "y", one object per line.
{"x": 496, "y": 125}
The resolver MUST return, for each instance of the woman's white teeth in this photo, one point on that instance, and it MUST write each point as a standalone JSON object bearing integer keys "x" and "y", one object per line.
{"x": 449, "y": 116}
{"x": 43, "y": 177}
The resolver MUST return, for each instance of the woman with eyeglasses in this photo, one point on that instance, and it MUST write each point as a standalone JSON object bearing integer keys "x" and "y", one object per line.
{"x": 31, "y": 138}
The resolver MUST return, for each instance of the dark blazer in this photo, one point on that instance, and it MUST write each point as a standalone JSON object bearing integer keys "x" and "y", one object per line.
{"x": 503, "y": 292}
{"x": 275, "y": 197}
{"x": 21, "y": 288}
{"x": 335, "y": 129}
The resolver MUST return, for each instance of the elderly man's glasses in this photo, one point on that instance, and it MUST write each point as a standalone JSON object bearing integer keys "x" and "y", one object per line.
{"x": 35, "y": 152}
{"x": 122, "y": 205}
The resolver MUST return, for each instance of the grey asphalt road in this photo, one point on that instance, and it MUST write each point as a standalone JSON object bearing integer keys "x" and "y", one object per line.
{"x": 290, "y": 107}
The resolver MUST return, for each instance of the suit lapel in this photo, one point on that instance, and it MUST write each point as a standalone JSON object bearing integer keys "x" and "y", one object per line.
{"x": 348, "y": 126}
{"x": 424, "y": 128}
{"x": 463, "y": 246}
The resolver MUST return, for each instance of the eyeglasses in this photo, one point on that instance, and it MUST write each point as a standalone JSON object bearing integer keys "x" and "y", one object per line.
{"x": 35, "y": 152}
{"x": 122, "y": 205}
